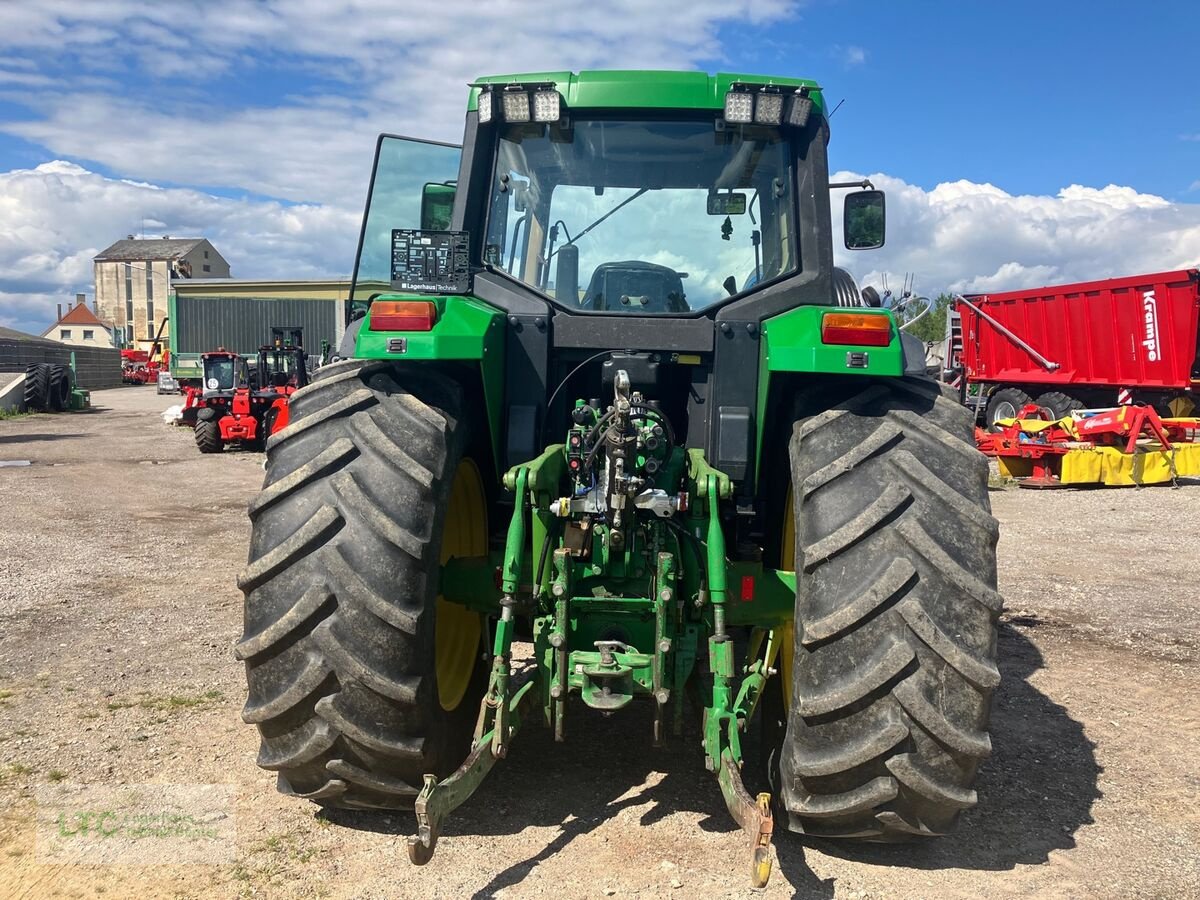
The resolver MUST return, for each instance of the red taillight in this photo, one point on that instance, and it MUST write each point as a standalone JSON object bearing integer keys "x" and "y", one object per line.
{"x": 403, "y": 315}
{"x": 747, "y": 588}
{"x": 862, "y": 329}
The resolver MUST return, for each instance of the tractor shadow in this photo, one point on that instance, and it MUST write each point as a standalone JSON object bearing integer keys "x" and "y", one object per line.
{"x": 1035, "y": 791}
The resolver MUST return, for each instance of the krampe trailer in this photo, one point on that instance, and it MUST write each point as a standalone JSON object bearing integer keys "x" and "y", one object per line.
{"x": 1090, "y": 345}
{"x": 604, "y": 391}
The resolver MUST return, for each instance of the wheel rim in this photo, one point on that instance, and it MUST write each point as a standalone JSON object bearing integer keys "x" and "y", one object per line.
{"x": 787, "y": 562}
{"x": 458, "y": 630}
{"x": 1004, "y": 410}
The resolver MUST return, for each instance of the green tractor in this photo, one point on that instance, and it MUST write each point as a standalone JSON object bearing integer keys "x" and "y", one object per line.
{"x": 604, "y": 394}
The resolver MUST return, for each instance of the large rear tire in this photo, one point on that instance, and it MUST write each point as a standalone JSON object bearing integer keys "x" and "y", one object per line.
{"x": 37, "y": 388}
{"x": 360, "y": 679}
{"x": 893, "y": 666}
{"x": 60, "y": 388}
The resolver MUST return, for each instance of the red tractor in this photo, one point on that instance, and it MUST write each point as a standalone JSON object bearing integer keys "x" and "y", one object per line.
{"x": 238, "y": 405}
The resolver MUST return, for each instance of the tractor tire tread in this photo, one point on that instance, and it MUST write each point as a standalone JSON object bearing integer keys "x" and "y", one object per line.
{"x": 36, "y": 394}
{"x": 208, "y": 436}
{"x": 60, "y": 387}
{"x": 894, "y": 658}
{"x": 340, "y": 588}
{"x": 1059, "y": 403}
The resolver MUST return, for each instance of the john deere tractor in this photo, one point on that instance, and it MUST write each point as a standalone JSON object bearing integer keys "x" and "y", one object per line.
{"x": 604, "y": 394}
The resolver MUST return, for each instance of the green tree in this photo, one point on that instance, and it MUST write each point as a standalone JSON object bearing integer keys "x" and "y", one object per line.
{"x": 932, "y": 326}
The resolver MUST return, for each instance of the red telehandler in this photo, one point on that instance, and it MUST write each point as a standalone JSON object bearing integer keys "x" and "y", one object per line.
{"x": 237, "y": 405}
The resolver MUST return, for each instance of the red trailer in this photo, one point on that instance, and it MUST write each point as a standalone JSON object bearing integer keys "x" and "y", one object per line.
{"x": 1090, "y": 345}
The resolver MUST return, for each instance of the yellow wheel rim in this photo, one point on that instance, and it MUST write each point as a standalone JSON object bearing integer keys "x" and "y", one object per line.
{"x": 457, "y": 635}
{"x": 787, "y": 561}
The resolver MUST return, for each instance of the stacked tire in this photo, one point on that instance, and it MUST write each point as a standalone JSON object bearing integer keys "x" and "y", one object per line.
{"x": 37, "y": 388}
{"x": 48, "y": 387}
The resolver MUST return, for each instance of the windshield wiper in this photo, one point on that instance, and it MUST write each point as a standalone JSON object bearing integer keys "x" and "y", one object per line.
{"x": 623, "y": 203}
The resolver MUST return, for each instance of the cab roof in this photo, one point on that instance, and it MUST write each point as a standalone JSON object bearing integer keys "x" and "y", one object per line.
{"x": 645, "y": 89}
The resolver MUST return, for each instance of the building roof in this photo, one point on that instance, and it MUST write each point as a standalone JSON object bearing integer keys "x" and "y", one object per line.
{"x": 227, "y": 283}
{"x": 10, "y": 334}
{"x": 80, "y": 315}
{"x": 149, "y": 248}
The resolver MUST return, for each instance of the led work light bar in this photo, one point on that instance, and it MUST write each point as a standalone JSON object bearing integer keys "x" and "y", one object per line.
{"x": 767, "y": 105}
{"x": 519, "y": 103}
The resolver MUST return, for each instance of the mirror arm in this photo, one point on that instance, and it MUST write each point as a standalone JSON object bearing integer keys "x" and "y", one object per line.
{"x": 865, "y": 184}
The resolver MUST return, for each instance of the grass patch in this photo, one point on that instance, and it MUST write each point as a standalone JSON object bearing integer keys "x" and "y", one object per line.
{"x": 90, "y": 714}
{"x": 56, "y": 775}
{"x": 283, "y": 848}
{"x": 180, "y": 701}
{"x": 168, "y": 703}
{"x": 4, "y": 695}
{"x": 13, "y": 414}
{"x": 21, "y": 769}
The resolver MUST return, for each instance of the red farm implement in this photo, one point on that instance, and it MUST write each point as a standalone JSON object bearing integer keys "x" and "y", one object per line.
{"x": 1122, "y": 446}
{"x": 143, "y": 366}
{"x": 1077, "y": 346}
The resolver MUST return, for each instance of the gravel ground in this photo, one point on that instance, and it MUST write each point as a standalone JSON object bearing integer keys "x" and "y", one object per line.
{"x": 118, "y": 610}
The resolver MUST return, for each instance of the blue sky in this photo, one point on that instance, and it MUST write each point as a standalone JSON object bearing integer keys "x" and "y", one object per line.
{"x": 1020, "y": 143}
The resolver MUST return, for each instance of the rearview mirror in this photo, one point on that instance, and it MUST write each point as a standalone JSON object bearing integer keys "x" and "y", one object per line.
{"x": 437, "y": 204}
{"x": 863, "y": 220}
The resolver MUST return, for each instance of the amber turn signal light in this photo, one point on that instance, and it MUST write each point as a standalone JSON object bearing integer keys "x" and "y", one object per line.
{"x": 861, "y": 329}
{"x": 403, "y": 315}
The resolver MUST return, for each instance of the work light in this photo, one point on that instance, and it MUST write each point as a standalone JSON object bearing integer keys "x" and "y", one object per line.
{"x": 739, "y": 107}
{"x": 516, "y": 106}
{"x": 799, "y": 106}
{"x": 769, "y": 108}
{"x": 487, "y": 107}
{"x": 546, "y": 106}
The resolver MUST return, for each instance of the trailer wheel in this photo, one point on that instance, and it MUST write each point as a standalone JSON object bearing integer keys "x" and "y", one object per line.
{"x": 1059, "y": 404}
{"x": 208, "y": 436}
{"x": 37, "y": 388}
{"x": 1005, "y": 404}
{"x": 361, "y": 679}
{"x": 894, "y": 658}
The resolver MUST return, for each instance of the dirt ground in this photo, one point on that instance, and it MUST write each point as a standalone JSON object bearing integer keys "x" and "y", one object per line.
{"x": 119, "y": 547}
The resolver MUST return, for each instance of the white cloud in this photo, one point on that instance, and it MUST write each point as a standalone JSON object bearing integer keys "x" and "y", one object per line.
{"x": 56, "y": 217}
{"x": 854, "y": 55}
{"x": 385, "y": 66}
{"x": 960, "y": 235}
{"x": 973, "y": 237}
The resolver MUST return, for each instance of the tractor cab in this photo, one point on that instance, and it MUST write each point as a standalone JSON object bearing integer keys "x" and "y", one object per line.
{"x": 282, "y": 364}
{"x": 223, "y": 372}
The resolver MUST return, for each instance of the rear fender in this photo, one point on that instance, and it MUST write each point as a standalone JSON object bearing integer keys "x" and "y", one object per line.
{"x": 465, "y": 330}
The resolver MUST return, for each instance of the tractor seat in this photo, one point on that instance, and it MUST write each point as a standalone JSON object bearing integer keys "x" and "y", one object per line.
{"x": 635, "y": 287}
